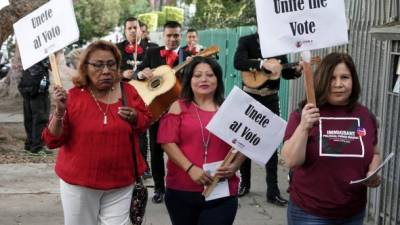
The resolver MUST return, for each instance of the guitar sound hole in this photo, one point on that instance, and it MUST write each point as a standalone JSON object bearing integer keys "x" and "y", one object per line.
{"x": 155, "y": 83}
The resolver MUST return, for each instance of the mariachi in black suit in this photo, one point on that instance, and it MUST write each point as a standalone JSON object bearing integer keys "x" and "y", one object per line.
{"x": 127, "y": 58}
{"x": 248, "y": 58}
{"x": 127, "y": 63}
{"x": 152, "y": 60}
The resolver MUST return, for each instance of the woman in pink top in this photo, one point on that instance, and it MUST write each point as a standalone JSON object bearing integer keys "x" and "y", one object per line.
{"x": 189, "y": 145}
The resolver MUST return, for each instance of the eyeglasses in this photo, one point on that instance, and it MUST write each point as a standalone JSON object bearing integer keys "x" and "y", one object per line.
{"x": 99, "y": 66}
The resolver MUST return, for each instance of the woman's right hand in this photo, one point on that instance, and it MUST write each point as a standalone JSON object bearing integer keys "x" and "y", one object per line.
{"x": 60, "y": 99}
{"x": 309, "y": 116}
{"x": 199, "y": 176}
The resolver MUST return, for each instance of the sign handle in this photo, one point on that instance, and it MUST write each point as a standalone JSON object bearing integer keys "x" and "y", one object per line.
{"x": 55, "y": 70}
{"x": 228, "y": 160}
{"x": 308, "y": 77}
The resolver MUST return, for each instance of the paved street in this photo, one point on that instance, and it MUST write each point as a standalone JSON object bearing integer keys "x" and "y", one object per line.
{"x": 29, "y": 196}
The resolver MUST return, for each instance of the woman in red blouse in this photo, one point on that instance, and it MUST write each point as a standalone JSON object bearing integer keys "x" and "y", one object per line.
{"x": 189, "y": 145}
{"x": 96, "y": 134}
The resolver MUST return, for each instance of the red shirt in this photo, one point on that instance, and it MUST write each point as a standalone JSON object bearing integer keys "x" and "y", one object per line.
{"x": 95, "y": 155}
{"x": 339, "y": 149}
{"x": 184, "y": 130}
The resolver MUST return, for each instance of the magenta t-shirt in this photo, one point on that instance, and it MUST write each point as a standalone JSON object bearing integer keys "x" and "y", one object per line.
{"x": 340, "y": 148}
{"x": 185, "y": 130}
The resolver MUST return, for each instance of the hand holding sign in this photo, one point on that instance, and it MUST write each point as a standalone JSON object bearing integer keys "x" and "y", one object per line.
{"x": 228, "y": 160}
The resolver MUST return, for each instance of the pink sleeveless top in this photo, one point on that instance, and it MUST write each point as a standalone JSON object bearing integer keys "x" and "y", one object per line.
{"x": 186, "y": 131}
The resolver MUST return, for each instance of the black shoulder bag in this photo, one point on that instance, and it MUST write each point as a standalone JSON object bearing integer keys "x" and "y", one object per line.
{"x": 139, "y": 193}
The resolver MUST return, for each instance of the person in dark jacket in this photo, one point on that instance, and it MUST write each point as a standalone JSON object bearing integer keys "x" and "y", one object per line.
{"x": 34, "y": 88}
{"x": 170, "y": 54}
{"x": 248, "y": 58}
{"x": 133, "y": 48}
{"x": 192, "y": 47}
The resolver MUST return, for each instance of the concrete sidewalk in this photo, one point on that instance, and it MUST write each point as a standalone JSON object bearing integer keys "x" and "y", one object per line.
{"x": 29, "y": 195}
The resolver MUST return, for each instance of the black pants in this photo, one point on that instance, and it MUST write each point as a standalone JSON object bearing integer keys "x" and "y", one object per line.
{"x": 272, "y": 103}
{"x": 157, "y": 160}
{"x": 143, "y": 145}
{"x": 190, "y": 208}
{"x": 36, "y": 117}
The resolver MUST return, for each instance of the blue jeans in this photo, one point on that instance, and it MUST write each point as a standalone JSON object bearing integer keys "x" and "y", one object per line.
{"x": 297, "y": 216}
{"x": 190, "y": 208}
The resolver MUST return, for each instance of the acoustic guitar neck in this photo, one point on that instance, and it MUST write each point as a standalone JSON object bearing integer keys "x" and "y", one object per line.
{"x": 213, "y": 49}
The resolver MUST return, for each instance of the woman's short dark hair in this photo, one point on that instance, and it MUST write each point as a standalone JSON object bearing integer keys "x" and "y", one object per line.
{"x": 82, "y": 78}
{"x": 323, "y": 77}
{"x": 187, "y": 92}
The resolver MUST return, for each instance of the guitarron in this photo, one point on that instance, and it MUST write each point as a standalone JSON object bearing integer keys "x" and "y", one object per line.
{"x": 254, "y": 79}
{"x": 159, "y": 92}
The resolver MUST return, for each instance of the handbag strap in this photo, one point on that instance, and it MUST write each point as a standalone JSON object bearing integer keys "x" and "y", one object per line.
{"x": 135, "y": 163}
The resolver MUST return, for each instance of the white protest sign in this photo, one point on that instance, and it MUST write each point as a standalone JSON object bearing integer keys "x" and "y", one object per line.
{"x": 288, "y": 26}
{"x": 248, "y": 126}
{"x": 48, "y": 29}
{"x": 4, "y": 3}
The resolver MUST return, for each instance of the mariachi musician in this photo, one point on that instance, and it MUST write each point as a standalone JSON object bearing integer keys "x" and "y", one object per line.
{"x": 171, "y": 54}
{"x": 133, "y": 48}
{"x": 248, "y": 58}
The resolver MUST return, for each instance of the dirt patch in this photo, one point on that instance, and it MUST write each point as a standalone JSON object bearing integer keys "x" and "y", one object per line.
{"x": 12, "y": 137}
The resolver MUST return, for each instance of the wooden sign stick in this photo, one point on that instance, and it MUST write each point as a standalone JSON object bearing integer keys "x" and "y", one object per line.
{"x": 54, "y": 69}
{"x": 308, "y": 77}
{"x": 228, "y": 160}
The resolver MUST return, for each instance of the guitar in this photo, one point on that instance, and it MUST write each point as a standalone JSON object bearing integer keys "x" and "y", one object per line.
{"x": 159, "y": 92}
{"x": 254, "y": 79}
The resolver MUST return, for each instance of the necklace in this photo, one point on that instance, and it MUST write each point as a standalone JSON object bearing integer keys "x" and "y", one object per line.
{"x": 205, "y": 140}
{"x": 98, "y": 105}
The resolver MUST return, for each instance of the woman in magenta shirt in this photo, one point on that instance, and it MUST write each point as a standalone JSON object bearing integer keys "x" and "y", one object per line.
{"x": 328, "y": 145}
{"x": 189, "y": 145}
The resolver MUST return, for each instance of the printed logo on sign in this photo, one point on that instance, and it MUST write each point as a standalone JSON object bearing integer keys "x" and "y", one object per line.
{"x": 361, "y": 132}
{"x": 298, "y": 44}
{"x": 238, "y": 143}
{"x": 340, "y": 137}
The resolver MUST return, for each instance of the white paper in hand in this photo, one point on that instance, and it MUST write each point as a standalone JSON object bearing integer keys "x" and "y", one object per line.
{"x": 222, "y": 188}
{"x": 376, "y": 170}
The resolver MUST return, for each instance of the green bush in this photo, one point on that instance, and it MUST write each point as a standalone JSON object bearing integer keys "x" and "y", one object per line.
{"x": 174, "y": 13}
{"x": 161, "y": 17}
{"x": 150, "y": 19}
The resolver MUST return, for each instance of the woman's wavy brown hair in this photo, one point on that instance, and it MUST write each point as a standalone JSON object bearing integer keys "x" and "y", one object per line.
{"x": 323, "y": 76}
{"x": 82, "y": 78}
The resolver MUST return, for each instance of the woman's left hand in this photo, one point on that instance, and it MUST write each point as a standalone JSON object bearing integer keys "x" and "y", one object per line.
{"x": 374, "y": 181}
{"x": 127, "y": 113}
{"x": 226, "y": 171}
